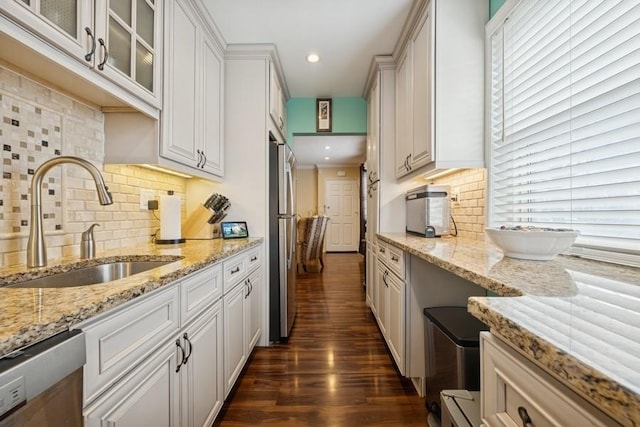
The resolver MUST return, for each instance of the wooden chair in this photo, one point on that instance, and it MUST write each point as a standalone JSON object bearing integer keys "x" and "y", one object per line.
{"x": 311, "y": 242}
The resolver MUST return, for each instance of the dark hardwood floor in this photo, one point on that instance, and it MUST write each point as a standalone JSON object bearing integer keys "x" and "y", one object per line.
{"x": 335, "y": 369}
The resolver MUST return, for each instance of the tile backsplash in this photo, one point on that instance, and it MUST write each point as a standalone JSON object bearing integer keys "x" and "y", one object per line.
{"x": 38, "y": 123}
{"x": 469, "y": 211}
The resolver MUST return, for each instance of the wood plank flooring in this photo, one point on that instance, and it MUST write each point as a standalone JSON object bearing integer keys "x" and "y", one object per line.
{"x": 335, "y": 369}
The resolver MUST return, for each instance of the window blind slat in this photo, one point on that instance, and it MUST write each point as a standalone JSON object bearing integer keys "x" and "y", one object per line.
{"x": 565, "y": 120}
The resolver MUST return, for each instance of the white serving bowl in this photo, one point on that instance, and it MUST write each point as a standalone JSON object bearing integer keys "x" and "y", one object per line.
{"x": 534, "y": 244}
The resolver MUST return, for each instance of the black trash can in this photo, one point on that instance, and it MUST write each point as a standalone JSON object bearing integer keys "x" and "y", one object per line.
{"x": 452, "y": 353}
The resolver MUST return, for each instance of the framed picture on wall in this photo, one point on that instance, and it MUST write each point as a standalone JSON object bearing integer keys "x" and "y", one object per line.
{"x": 323, "y": 114}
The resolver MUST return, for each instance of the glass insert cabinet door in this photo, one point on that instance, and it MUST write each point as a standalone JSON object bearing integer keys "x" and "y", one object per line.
{"x": 130, "y": 46}
{"x": 63, "y": 23}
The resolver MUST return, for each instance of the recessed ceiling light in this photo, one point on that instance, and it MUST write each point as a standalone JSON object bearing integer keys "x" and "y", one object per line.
{"x": 326, "y": 158}
{"x": 327, "y": 147}
{"x": 313, "y": 58}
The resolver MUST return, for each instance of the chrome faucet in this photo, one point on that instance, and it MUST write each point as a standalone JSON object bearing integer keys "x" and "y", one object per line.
{"x": 36, "y": 249}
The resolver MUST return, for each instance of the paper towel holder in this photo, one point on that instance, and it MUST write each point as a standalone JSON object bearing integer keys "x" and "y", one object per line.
{"x": 170, "y": 241}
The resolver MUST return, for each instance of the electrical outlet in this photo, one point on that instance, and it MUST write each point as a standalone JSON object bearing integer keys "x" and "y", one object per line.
{"x": 455, "y": 197}
{"x": 145, "y": 196}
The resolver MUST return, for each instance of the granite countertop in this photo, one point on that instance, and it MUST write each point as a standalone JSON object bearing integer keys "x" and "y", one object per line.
{"x": 31, "y": 315}
{"x": 578, "y": 319}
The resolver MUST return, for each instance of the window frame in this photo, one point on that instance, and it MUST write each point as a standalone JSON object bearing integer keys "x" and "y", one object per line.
{"x": 596, "y": 253}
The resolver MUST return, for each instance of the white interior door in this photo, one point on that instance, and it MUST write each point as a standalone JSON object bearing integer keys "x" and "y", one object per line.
{"x": 343, "y": 208}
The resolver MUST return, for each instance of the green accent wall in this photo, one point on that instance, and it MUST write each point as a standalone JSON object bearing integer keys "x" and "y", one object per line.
{"x": 494, "y": 5}
{"x": 349, "y": 116}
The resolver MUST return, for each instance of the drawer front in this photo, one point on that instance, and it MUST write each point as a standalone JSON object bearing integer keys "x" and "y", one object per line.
{"x": 382, "y": 251}
{"x": 118, "y": 343}
{"x": 254, "y": 258}
{"x": 395, "y": 260}
{"x": 198, "y": 291}
{"x": 234, "y": 270}
{"x": 392, "y": 257}
{"x": 515, "y": 390}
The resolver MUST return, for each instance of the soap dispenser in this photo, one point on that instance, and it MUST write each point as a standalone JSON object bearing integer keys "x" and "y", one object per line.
{"x": 88, "y": 245}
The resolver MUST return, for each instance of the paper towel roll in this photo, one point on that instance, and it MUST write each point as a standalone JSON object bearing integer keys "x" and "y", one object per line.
{"x": 169, "y": 217}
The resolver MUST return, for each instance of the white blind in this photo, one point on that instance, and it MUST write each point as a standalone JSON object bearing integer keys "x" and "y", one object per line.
{"x": 565, "y": 120}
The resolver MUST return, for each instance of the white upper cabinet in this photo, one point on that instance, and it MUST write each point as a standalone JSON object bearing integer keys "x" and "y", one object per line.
{"x": 277, "y": 101}
{"x": 440, "y": 88}
{"x": 189, "y": 137}
{"x": 193, "y": 99}
{"x": 120, "y": 39}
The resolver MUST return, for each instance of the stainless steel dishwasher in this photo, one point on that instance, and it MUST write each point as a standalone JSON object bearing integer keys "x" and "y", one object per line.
{"x": 41, "y": 385}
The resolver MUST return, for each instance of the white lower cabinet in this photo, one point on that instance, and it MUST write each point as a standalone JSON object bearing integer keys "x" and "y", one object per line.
{"x": 516, "y": 392}
{"x": 254, "y": 311}
{"x": 178, "y": 385}
{"x": 170, "y": 358}
{"x": 242, "y": 327}
{"x": 148, "y": 396}
{"x": 202, "y": 387}
{"x": 234, "y": 335}
{"x": 391, "y": 312}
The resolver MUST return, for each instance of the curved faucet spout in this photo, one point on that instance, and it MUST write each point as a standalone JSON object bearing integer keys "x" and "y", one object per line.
{"x": 36, "y": 249}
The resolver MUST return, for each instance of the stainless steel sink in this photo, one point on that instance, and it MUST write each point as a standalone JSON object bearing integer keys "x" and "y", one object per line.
{"x": 93, "y": 275}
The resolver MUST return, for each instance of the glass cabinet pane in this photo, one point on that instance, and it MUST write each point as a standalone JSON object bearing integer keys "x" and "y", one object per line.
{"x": 145, "y": 21}
{"x": 119, "y": 47}
{"x": 122, "y": 8}
{"x": 62, "y": 13}
{"x": 144, "y": 67}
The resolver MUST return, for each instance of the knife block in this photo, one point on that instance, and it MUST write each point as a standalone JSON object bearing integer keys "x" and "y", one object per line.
{"x": 196, "y": 225}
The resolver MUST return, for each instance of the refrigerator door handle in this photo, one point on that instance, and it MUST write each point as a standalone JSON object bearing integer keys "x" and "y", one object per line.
{"x": 291, "y": 242}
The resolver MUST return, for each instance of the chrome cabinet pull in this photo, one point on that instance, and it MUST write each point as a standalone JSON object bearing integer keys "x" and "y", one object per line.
{"x": 382, "y": 250}
{"x": 182, "y": 358}
{"x": 384, "y": 278}
{"x": 186, "y": 338}
{"x": 524, "y": 416}
{"x": 199, "y": 158}
{"x": 106, "y": 55}
{"x": 394, "y": 258}
{"x": 248, "y": 290}
{"x": 255, "y": 258}
{"x": 235, "y": 270}
{"x": 204, "y": 160}
{"x": 88, "y": 56}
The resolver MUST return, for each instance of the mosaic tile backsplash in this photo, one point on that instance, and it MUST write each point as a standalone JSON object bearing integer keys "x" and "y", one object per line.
{"x": 38, "y": 123}
{"x": 30, "y": 135}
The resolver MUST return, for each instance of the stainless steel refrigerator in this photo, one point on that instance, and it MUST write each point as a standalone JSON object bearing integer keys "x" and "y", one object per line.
{"x": 282, "y": 240}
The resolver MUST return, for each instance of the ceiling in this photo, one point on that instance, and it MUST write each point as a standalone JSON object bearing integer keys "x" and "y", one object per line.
{"x": 346, "y": 34}
{"x": 344, "y": 150}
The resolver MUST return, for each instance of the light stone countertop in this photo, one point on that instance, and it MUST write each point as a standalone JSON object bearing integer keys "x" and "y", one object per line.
{"x": 578, "y": 319}
{"x": 31, "y": 315}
